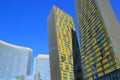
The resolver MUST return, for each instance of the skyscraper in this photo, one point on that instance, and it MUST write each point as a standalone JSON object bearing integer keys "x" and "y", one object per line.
{"x": 15, "y": 61}
{"x": 41, "y": 67}
{"x": 61, "y": 49}
{"x": 99, "y": 40}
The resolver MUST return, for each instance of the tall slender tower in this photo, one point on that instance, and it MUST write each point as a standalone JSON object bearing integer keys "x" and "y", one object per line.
{"x": 61, "y": 29}
{"x": 99, "y": 40}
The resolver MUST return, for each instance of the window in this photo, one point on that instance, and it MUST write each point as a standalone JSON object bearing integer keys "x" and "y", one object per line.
{"x": 94, "y": 76}
{"x": 93, "y": 69}
{"x": 63, "y": 57}
{"x": 98, "y": 42}
{"x": 109, "y": 41}
{"x": 111, "y": 48}
{"x": 102, "y": 52}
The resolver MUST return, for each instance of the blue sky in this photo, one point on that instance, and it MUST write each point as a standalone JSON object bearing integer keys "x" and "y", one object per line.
{"x": 24, "y": 22}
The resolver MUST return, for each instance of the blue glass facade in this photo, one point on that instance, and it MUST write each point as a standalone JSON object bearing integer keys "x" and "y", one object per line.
{"x": 14, "y": 61}
{"x": 41, "y": 67}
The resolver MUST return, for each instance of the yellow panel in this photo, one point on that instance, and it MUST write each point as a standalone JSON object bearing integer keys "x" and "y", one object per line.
{"x": 62, "y": 76}
{"x": 106, "y": 48}
{"x": 107, "y": 71}
{"x": 87, "y": 45}
{"x": 91, "y": 58}
{"x": 106, "y": 65}
{"x": 87, "y": 49}
{"x": 63, "y": 65}
{"x": 97, "y": 49}
{"x": 89, "y": 74}
{"x": 89, "y": 52}
{"x": 94, "y": 47}
{"x": 86, "y": 62}
{"x": 114, "y": 67}
{"x": 98, "y": 64}
{"x": 87, "y": 66}
{"x": 89, "y": 69}
{"x": 108, "y": 52}
{"x": 90, "y": 78}
{"x": 98, "y": 54}
{"x": 100, "y": 74}
{"x": 91, "y": 63}
{"x": 99, "y": 69}
{"x": 104, "y": 60}
{"x": 99, "y": 58}
{"x": 82, "y": 56}
{"x": 68, "y": 76}
{"x": 112, "y": 62}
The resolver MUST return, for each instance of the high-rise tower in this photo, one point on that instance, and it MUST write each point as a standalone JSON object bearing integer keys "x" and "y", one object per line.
{"x": 41, "y": 67}
{"x": 99, "y": 40}
{"x": 62, "y": 52}
{"x": 15, "y": 61}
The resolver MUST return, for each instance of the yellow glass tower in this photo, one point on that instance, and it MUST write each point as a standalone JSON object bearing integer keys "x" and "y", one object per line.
{"x": 61, "y": 28}
{"x": 99, "y": 40}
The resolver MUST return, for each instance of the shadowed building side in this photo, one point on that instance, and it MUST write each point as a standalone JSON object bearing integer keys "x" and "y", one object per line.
{"x": 53, "y": 52}
{"x": 76, "y": 57}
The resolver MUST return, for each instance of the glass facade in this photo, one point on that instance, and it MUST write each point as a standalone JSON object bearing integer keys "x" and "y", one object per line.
{"x": 97, "y": 53}
{"x": 42, "y": 67}
{"x": 115, "y": 75}
{"x": 15, "y": 61}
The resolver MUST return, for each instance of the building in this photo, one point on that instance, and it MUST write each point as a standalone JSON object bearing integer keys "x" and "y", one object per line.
{"x": 22, "y": 77}
{"x": 99, "y": 40}
{"x": 30, "y": 77}
{"x": 63, "y": 53}
{"x": 41, "y": 67}
{"x": 15, "y": 61}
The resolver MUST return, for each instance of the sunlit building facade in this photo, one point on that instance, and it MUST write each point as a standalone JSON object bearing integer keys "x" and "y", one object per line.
{"x": 99, "y": 40}
{"x": 61, "y": 49}
{"x": 42, "y": 67}
{"x": 15, "y": 61}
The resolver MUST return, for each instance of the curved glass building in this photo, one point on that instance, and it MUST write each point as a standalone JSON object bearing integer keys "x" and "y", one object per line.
{"x": 14, "y": 61}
